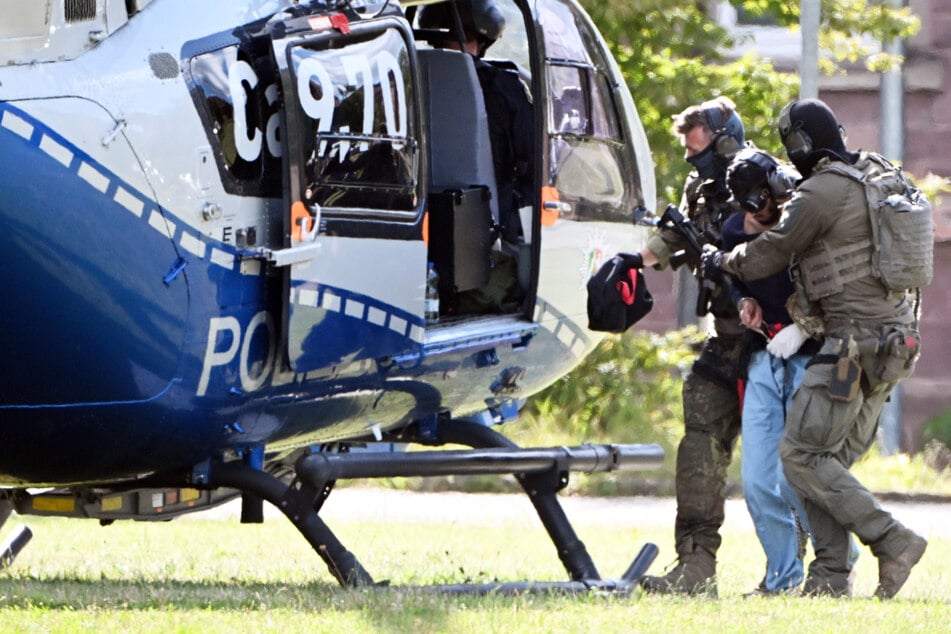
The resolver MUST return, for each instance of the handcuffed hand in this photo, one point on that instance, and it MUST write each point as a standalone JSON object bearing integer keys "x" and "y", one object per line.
{"x": 786, "y": 342}
{"x": 711, "y": 261}
{"x": 751, "y": 313}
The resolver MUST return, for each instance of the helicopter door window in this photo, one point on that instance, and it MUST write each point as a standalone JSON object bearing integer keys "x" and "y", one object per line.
{"x": 238, "y": 100}
{"x": 356, "y": 142}
{"x": 592, "y": 138}
{"x": 604, "y": 121}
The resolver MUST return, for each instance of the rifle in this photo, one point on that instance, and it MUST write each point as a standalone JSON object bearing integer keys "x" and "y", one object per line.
{"x": 673, "y": 219}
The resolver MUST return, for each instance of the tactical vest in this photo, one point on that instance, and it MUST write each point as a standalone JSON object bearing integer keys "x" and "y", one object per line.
{"x": 900, "y": 249}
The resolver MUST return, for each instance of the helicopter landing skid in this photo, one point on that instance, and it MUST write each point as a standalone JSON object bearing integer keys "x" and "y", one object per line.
{"x": 17, "y": 540}
{"x": 540, "y": 471}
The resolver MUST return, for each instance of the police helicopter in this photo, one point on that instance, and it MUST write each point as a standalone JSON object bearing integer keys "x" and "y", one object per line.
{"x": 218, "y": 218}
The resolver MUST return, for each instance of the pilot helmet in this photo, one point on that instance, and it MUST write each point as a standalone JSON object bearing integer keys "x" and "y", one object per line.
{"x": 480, "y": 19}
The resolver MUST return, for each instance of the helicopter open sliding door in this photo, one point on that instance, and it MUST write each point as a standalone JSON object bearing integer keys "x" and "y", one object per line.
{"x": 353, "y": 252}
{"x": 598, "y": 165}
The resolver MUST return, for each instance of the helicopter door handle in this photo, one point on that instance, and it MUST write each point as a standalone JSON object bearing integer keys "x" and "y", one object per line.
{"x": 305, "y": 225}
{"x": 552, "y": 210}
{"x": 305, "y": 234}
{"x": 293, "y": 255}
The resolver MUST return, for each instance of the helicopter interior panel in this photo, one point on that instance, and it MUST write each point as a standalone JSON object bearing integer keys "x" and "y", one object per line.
{"x": 463, "y": 199}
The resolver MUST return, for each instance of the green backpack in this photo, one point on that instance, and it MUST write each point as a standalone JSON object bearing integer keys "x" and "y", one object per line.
{"x": 902, "y": 224}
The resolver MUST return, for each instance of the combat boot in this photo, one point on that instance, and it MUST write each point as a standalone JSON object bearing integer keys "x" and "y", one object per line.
{"x": 893, "y": 572}
{"x": 694, "y": 574}
{"x": 837, "y": 586}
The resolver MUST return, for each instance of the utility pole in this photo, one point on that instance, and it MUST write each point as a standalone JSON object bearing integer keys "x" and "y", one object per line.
{"x": 809, "y": 14}
{"x": 892, "y": 100}
{"x": 892, "y": 141}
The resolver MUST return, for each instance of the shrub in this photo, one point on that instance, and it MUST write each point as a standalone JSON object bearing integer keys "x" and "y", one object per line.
{"x": 627, "y": 391}
{"x": 939, "y": 428}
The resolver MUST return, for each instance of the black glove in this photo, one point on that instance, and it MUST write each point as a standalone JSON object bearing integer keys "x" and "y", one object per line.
{"x": 711, "y": 262}
{"x": 633, "y": 260}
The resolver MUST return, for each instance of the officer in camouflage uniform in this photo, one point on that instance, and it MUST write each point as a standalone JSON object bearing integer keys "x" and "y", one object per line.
{"x": 871, "y": 342}
{"x": 712, "y": 134}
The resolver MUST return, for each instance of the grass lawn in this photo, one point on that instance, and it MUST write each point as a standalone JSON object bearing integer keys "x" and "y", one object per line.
{"x": 214, "y": 575}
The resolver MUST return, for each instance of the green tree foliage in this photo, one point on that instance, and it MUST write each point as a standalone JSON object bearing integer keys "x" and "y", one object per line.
{"x": 846, "y": 26}
{"x": 627, "y": 390}
{"x": 939, "y": 428}
{"x": 671, "y": 54}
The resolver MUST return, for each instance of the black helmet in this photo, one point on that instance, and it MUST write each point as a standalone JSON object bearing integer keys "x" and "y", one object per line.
{"x": 480, "y": 19}
{"x": 809, "y": 131}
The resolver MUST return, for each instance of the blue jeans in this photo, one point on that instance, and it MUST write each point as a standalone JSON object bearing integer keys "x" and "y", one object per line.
{"x": 772, "y": 502}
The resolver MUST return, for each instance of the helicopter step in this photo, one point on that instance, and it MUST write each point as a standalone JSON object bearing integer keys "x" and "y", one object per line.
{"x": 541, "y": 472}
{"x": 161, "y": 503}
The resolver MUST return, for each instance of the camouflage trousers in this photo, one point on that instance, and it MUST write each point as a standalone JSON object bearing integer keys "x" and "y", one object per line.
{"x": 711, "y": 426}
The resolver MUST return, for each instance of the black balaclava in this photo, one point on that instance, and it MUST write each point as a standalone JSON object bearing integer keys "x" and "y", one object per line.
{"x": 809, "y": 131}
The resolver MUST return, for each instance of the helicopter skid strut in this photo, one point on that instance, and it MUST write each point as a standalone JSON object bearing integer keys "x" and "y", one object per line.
{"x": 17, "y": 540}
{"x": 541, "y": 472}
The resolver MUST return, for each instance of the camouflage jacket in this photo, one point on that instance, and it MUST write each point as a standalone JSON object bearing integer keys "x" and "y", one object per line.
{"x": 705, "y": 204}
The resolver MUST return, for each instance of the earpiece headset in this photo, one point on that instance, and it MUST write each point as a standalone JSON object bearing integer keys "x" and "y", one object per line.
{"x": 798, "y": 143}
{"x": 779, "y": 184}
{"x": 724, "y": 144}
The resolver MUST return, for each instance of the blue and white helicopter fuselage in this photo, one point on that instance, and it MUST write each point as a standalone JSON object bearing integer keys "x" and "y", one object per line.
{"x": 203, "y": 266}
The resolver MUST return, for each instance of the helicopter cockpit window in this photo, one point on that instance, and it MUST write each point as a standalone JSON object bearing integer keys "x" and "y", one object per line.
{"x": 569, "y": 104}
{"x": 356, "y": 138}
{"x": 580, "y": 103}
{"x": 587, "y": 157}
{"x": 591, "y": 164}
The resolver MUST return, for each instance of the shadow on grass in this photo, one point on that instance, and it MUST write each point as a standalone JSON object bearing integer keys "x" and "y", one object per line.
{"x": 71, "y": 593}
{"x": 380, "y": 608}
